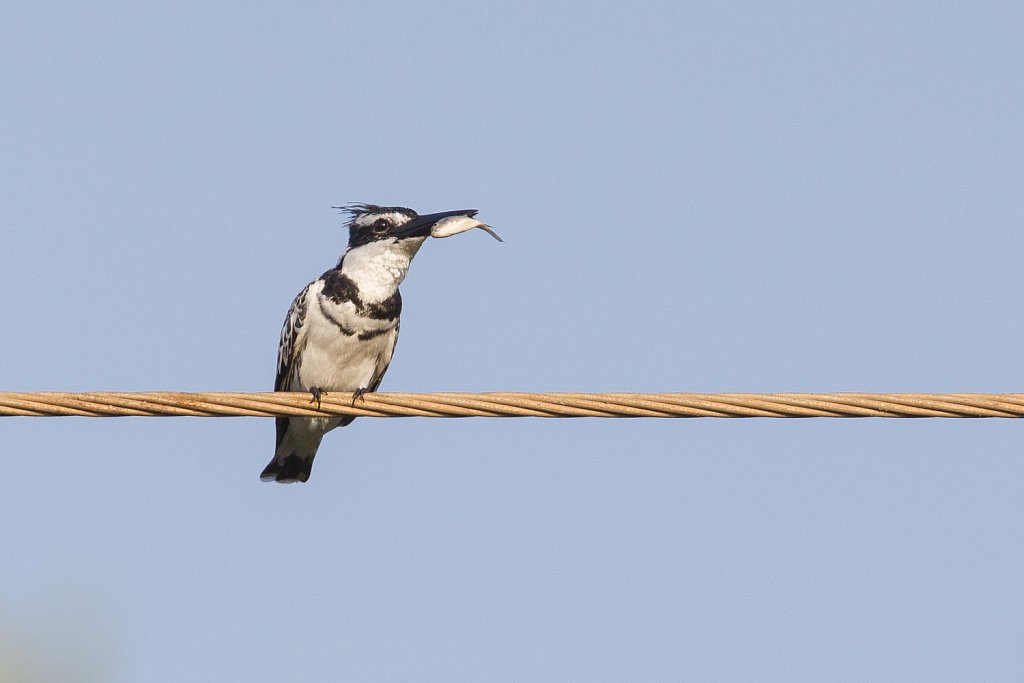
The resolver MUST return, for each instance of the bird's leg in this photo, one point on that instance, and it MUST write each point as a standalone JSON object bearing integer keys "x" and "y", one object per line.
{"x": 358, "y": 394}
{"x": 317, "y": 393}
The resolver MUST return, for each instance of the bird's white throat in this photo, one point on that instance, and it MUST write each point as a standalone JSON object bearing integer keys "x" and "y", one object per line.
{"x": 379, "y": 267}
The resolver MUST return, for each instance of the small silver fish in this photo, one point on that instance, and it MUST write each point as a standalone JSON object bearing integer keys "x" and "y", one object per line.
{"x": 453, "y": 225}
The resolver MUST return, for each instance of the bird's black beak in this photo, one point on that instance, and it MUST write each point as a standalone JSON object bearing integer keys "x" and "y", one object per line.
{"x": 421, "y": 225}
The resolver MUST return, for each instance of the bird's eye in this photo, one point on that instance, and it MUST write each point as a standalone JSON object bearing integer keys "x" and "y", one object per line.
{"x": 380, "y": 225}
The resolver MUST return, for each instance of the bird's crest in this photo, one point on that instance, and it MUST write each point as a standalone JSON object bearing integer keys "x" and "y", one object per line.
{"x": 358, "y": 210}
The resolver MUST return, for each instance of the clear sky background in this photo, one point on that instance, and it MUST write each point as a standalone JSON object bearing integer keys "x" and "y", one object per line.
{"x": 717, "y": 196}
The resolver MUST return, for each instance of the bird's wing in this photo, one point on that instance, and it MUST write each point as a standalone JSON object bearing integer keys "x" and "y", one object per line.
{"x": 289, "y": 351}
{"x": 382, "y": 366}
{"x": 293, "y": 338}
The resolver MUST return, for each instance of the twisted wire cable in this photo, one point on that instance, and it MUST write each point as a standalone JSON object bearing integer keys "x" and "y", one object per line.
{"x": 507, "y": 404}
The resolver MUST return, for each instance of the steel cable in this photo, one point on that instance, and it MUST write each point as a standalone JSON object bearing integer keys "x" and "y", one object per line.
{"x": 508, "y": 404}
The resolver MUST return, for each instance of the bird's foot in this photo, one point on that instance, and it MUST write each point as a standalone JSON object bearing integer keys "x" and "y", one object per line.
{"x": 317, "y": 393}
{"x": 358, "y": 395}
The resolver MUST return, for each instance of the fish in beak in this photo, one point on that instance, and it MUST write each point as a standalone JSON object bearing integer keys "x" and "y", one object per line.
{"x": 443, "y": 224}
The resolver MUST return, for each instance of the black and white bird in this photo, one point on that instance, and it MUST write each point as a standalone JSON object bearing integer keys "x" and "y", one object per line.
{"x": 341, "y": 330}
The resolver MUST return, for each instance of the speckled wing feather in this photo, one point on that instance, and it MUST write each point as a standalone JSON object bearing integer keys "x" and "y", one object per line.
{"x": 291, "y": 342}
{"x": 289, "y": 352}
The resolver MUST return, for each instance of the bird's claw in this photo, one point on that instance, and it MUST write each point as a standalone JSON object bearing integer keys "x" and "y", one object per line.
{"x": 317, "y": 393}
{"x": 358, "y": 395}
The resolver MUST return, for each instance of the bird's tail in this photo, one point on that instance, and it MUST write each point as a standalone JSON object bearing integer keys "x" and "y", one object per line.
{"x": 290, "y": 469}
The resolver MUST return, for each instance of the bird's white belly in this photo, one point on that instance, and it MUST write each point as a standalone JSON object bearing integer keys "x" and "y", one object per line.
{"x": 337, "y": 362}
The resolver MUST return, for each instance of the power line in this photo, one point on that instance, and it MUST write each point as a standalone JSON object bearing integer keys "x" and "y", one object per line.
{"x": 506, "y": 404}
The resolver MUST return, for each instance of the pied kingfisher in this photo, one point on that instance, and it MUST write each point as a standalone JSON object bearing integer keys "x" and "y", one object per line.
{"x": 341, "y": 330}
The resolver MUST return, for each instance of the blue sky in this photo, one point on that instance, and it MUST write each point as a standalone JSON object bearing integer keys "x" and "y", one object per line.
{"x": 694, "y": 197}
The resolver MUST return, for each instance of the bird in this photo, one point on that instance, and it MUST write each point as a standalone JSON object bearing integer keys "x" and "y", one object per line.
{"x": 340, "y": 332}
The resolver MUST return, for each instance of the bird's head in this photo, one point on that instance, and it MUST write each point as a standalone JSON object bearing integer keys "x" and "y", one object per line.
{"x": 397, "y": 225}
